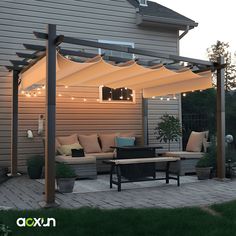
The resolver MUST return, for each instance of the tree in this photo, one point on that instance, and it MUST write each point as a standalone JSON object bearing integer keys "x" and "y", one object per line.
{"x": 169, "y": 129}
{"x": 222, "y": 49}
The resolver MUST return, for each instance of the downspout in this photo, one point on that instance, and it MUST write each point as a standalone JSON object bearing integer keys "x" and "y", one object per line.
{"x": 185, "y": 32}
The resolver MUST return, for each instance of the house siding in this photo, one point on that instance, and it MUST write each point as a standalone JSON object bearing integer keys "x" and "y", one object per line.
{"x": 90, "y": 19}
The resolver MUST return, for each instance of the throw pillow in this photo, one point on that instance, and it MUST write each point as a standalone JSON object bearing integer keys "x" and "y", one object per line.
{"x": 195, "y": 141}
{"x": 66, "y": 149}
{"x": 125, "y": 141}
{"x": 107, "y": 141}
{"x": 67, "y": 140}
{"x": 90, "y": 143}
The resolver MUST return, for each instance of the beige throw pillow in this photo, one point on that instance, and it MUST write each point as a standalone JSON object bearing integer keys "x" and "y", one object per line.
{"x": 195, "y": 142}
{"x": 90, "y": 143}
{"x": 67, "y": 140}
{"x": 66, "y": 149}
{"x": 108, "y": 140}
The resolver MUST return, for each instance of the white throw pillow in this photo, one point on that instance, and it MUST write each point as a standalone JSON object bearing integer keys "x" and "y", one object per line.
{"x": 195, "y": 141}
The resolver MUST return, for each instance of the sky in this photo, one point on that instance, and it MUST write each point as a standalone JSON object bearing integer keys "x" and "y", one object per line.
{"x": 216, "y": 21}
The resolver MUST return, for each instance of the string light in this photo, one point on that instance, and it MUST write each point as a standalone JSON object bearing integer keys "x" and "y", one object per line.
{"x": 35, "y": 95}
{"x": 85, "y": 100}
{"x": 168, "y": 99}
{"x": 174, "y": 97}
{"x": 161, "y": 98}
{"x": 131, "y": 95}
{"x": 22, "y": 92}
{"x": 59, "y": 95}
{"x": 109, "y": 99}
{"x": 38, "y": 89}
{"x": 153, "y": 97}
{"x": 39, "y": 92}
{"x": 66, "y": 86}
{"x": 28, "y": 95}
{"x": 184, "y": 94}
{"x": 98, "y": 100}
{"x": 128, "y": 98}
{"x": 121, "y": 97}
{"x": 43, "y": 87}
{"x": 72, "y": 98}
{"x": 126, "y": 88}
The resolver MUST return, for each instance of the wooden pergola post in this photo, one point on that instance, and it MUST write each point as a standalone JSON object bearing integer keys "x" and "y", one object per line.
{"x": 14, "y": 130}
{"x": 50, "y": 117}
{"x": 145, "y": 121}
{"x": 220, "y": 120}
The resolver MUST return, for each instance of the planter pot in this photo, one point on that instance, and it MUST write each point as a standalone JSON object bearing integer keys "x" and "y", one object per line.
{"x": 203, "y": 172}
{"x": 34, "y": 172}
{"x": 65, "y": 185}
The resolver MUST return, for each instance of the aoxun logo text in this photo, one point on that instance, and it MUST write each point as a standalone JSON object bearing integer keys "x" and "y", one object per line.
{"x": 36, "y": 222}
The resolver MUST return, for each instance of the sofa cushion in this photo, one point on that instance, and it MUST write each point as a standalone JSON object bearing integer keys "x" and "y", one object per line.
{"x": 125, "y": 141}
{"x": 66, "y": 140}
{"x": 107, "y": 141}
{"x": 76, "y": 160}
{"x": 184, "y": 154}
{"x": 66, "y": 149}
{"x": 90, "y": 143}
{"x": 102, "y": 155}
{"x": 195, "y": 141}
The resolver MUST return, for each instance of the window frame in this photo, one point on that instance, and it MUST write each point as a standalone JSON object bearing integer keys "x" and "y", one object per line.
{"x": 121, "y": 43}
{"x": 143, "y": 4}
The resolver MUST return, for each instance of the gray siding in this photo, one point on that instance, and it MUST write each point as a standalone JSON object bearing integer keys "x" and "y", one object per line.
{"x": 90, "y": 19}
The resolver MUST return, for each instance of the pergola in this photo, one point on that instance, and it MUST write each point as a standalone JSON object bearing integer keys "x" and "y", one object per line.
{"x": 152, "y": 78}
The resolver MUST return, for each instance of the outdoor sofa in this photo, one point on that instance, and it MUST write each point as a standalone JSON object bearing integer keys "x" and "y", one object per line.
{"x": 196, "y": 147}
{"x": 97, "y": 148}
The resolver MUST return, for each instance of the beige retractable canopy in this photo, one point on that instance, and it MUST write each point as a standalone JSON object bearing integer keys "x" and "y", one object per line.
{"x": 155, "y": 81}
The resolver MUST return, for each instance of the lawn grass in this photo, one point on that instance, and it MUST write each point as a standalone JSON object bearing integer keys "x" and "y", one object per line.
{"x": 143, "y": 222}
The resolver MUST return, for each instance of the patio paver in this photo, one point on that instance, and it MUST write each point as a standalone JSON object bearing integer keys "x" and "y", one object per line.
{"x": 24, "y": 193}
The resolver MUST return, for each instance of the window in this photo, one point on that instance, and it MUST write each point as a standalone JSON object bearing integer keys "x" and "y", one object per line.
{"x": 118, "y": 95}
{"x": 117, "y": 53}
{"x": 143, "y": 2}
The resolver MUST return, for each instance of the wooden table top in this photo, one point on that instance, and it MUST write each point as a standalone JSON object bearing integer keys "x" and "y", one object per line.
{"x": 141, "y": 160}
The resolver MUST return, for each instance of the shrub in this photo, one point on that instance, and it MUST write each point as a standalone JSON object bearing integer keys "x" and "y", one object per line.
{"x": 64, "y": 171}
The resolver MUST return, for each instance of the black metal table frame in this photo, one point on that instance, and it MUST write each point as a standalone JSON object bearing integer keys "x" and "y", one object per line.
{"x": 120, "y": 181}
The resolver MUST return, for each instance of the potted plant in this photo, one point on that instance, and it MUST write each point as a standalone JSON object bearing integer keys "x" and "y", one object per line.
{"x": 203, "y": 167}
{"x": 34, "y": 166}
{"x": 169, "y": 129}
{"x": 65, "y": 177}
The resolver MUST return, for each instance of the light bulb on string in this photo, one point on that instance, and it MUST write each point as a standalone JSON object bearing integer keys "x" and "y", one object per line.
{"x": 168, "y": 99}
{"x": 66, "y": 86}
{"x": 72, "y": 98}
{"x": 161, "y": 98}
{"x": 85, "y": 100}
{"x": 174, "y": 97}
{"x": 22, "y": 92}
{"x": 184, "y": 94}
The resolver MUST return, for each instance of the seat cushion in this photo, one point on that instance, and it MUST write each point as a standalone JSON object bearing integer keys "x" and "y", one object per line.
{"x": 90, "y": 143}
{"x": 102, "y": 155}
{"x": 184, "y": 154}
{"x": 76, "y": 160}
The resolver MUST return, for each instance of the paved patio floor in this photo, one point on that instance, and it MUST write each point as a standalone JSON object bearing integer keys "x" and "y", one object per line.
{"x": 23, "y": 193}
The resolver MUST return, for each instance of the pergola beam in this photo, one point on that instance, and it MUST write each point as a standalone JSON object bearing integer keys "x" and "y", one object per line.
{"x": 26, "y": 55}
{"x": 127, "y": 49}
{"x": 34, "y": 47}
{"x": 19, "y": 63}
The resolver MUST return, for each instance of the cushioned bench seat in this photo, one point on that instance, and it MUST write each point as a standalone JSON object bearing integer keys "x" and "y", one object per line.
{"x": 85, "y": 167}
{"x": 188, "y": 160}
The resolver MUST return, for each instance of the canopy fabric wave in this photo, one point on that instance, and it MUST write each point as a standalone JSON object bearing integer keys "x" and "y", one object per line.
{"x": 95, "y": 72}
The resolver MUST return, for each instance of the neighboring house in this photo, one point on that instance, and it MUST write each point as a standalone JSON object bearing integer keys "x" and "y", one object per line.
{"x": 143, "y": 24}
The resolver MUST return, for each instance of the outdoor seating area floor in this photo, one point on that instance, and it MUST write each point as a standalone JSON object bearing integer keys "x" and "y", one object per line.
{"x": 24, "y": 193}
{"x": 101, "y": 184}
